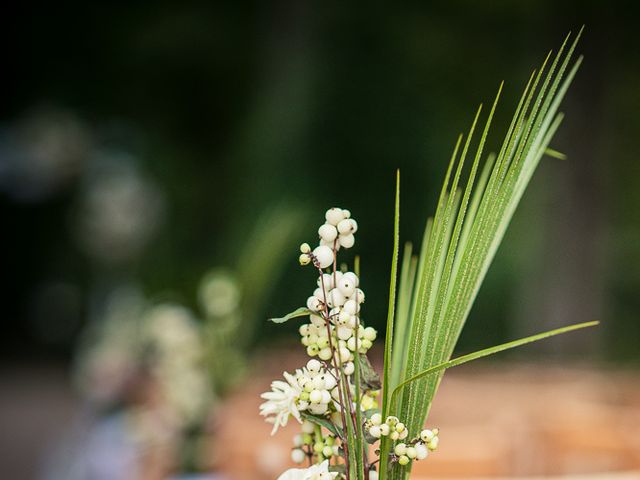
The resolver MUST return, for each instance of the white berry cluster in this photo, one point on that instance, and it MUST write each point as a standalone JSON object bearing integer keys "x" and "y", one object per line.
{"x": 317, "y": 386}
{"x": 338, "y": 231}
{"x": 312, "y": 441}
{"x": 417, "y": 449}
{"x": 338, "y": 295}
{"x": 392, "y": 427}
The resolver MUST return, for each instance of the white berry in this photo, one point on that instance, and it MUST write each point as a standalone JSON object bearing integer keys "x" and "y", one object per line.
{"x": 344, "y": 227}
{"x": 347, "y": 241}
{"x": 297, "y": 455}
{"x": 334, "y": 215}
{"x": 327, "y": 232}
{"x": 323, "y": 255}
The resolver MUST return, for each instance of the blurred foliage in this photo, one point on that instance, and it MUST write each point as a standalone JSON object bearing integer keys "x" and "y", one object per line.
{"x": 229, "y": 106}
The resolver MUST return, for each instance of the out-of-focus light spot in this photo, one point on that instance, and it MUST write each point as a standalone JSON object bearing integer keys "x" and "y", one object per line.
{"x": 41, "y": 154}
{"x": 119, "y": 210}
{"x": 219, "y": 293}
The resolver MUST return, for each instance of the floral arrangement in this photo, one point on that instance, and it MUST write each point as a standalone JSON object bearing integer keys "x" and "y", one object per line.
{"x": 355, "y": 424}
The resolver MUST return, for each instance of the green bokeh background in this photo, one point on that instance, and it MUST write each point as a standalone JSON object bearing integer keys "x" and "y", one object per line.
{"x": 232, "y": 106}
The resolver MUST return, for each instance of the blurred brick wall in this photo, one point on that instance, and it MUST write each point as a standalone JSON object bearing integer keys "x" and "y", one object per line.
{"x": 495, "y": 421}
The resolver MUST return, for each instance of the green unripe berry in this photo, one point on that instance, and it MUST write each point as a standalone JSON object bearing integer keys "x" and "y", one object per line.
{"x": 411, "y": 452}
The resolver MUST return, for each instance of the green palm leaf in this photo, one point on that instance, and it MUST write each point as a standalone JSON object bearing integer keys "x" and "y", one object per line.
{"x": 438, "y": 289}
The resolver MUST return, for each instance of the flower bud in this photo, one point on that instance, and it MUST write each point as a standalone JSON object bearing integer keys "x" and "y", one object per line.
{"x": 433, "y": 444}
{"x": 304, "y": 259}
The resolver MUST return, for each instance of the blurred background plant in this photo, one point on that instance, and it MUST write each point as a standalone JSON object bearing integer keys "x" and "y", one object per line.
{"x": 150, "y": 371}
{"x": 139, "y": 146}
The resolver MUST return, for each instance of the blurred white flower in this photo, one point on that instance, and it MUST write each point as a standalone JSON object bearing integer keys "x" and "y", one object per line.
{"x": 120, "y": 209}
{"x": 42, "y": 153}
{"x": 219, "y": 293}
{"x": 314, "y": 472}
{"x": 282, "y": 401}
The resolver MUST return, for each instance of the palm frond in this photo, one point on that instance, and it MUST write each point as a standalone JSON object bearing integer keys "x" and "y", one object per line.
{"x": 461, "y": 240}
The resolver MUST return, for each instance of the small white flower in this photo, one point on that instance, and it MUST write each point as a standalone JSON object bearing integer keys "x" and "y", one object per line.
{"x": 314, "y": 472}
{"x": 282, "y": 401}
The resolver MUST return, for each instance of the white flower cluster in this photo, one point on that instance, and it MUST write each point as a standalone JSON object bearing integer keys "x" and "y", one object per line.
{"x": 314, "y": 472}
{"x": 309, "y": 389}
{"x": 324, "y": 446}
